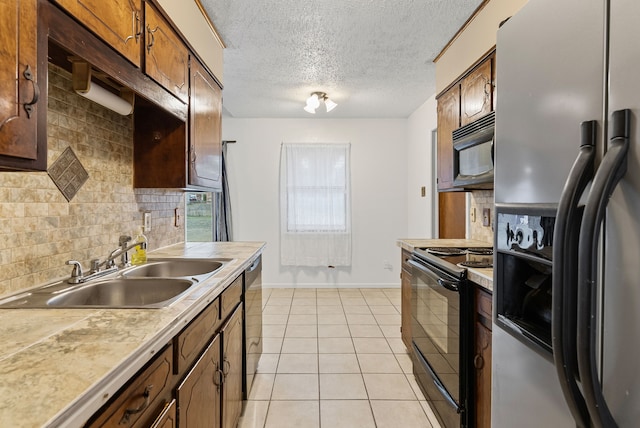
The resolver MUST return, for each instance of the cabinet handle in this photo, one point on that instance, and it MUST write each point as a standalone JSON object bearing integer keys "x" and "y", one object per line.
{"x": 140, "y": 408}
{"x": 478, "y": 361}
{"x": 28, "y": 107}
{"x": 152, "y": 38}
{"x": 218, "y": 378}
{"x": 138, "y": 27}
{"x": 226, "y": 367}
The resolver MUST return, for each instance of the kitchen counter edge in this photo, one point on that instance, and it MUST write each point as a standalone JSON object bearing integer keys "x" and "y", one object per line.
{"x": 79, "y": 388}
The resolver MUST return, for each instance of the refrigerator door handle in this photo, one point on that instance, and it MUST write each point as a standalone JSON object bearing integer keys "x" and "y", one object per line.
{"x": 610, "y": 172}
{"x": 564, "y": 274}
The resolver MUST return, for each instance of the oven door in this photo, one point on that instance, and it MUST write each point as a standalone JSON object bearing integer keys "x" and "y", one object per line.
{"x": 439, "y": 341}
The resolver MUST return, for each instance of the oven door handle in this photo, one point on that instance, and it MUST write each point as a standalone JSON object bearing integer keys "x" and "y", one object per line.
{"x": 446, "y": 283}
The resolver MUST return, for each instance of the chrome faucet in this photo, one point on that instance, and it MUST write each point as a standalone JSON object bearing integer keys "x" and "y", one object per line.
{"x": 77, "y": 275}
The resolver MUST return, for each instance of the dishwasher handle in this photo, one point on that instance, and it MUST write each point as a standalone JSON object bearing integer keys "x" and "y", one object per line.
{"x": 254, "y": 265}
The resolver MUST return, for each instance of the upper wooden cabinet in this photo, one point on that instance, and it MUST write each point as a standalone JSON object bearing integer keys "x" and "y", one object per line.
{"x": 22, "y": 89}
{"x": 205, "y": 129}
{"x": 117, "y": 22}
{"x": 166, "y": 58}
{"x": 467, "y": 99}
{"x": 448, "y": 120}
{"x": 476, "y": 93}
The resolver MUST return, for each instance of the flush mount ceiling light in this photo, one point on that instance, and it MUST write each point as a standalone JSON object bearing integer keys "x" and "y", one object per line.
{"x": 313, "y": 102}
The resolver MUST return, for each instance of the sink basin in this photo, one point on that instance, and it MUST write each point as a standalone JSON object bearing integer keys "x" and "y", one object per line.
{"x": 123, "y": 293}
{"x": 174, "y": 268}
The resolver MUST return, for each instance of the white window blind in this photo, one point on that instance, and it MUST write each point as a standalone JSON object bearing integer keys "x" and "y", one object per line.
{"x": 315, "y": 206}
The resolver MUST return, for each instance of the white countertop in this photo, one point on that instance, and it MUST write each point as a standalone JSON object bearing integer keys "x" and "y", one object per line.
{"x": 59, "y": 366}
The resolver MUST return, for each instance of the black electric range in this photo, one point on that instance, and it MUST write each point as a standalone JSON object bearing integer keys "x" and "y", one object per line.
{"x": 441, "y": 328}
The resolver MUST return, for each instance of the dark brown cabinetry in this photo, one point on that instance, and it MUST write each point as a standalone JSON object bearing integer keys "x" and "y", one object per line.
{"x": 197, "y": 379}
{"x": 476, "y": 93}
{"x": 405, "y": 299}
{"x": 205, "y": 129}
{"x": 482, "y": 358}
{"x": 117, "y": 22}
{"x": 199, "y": 395}
{"x": 139, "y": 403}
{"x": 167, "y": 418}
{"x": 166, "y": 57}
{"x": 232, "y": 369}
{"x": 23, "y": 90}
{"x": 466, "y": 100}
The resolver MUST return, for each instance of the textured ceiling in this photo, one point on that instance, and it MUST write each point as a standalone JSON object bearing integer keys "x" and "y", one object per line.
{"x": 373, "y": 57}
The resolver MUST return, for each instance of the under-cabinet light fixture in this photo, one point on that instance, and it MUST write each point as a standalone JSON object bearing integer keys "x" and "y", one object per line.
{"x": 81, "y": 76}
{"x": 313, "y": 102}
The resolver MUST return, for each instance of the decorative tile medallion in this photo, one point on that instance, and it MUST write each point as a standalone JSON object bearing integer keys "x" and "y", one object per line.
{"x": 68, "y": 173}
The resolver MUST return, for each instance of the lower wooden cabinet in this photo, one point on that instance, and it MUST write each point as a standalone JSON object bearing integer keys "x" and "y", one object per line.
{"x": 199, "y": 395}
{"x": 168, "y": 417}
{"x": 232, "y": 369}
{"x": 482, "y": 359}
{"x": 140, "y": 402}
{"x": 195, "y": 382}
{"x": 405, "y": 300}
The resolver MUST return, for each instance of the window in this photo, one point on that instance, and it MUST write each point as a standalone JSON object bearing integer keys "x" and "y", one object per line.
{"x": 315, "y": 204}
{"x": 199, "y": 217}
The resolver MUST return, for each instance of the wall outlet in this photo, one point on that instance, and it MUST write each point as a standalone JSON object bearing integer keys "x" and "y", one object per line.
{"x": 486, "y": 217}
{"x": 146, "y": 221}
{"x": 386, "y": 265}
{"x": 472, "y": 214}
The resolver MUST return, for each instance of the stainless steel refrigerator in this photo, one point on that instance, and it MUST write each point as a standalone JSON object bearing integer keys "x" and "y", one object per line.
{"x": 566, "y": 343}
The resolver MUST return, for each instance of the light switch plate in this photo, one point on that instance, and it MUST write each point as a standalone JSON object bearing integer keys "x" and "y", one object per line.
{"x": 486, "y": 217}
{"x": 146, "y": 221}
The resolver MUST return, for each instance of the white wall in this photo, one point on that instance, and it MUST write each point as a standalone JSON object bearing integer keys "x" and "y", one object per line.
{"x": 420, "y": 172}
{"x": 379, "y": 194}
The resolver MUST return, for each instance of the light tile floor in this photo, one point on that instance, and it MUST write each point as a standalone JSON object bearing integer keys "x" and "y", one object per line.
{"x": 333, "y": 358}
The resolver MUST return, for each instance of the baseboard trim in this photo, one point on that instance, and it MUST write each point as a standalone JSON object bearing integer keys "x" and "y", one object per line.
{"x": 330, "y": 286}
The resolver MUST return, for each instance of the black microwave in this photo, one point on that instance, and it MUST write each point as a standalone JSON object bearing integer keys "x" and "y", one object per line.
{"x": 473, "y": 154}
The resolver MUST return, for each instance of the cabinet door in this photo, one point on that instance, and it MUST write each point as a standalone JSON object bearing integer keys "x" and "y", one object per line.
{"x": 205, "y": 132}
{"x": 167, "y": 58}
{"x": 482, "y": 365}
{"x": 476, "y": 93}
{"x": 482, "y": 358}
{"x": 232, "y": 369}
{"x": 448, "y": 120}
{"x": 199, "y": 394}
{"x": 167, "y": 418}
{"x": 405, "y": 300}
{"x": 117, "y": 22}
{"x": 19, "y": 80}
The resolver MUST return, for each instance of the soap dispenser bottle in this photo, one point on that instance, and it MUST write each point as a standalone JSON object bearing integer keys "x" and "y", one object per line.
{"x": 139, "y": 255}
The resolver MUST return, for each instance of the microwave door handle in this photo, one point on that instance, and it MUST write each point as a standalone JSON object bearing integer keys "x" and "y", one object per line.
{"x": 448, "y": 284}
{"x": 493, "y": 143}
{"x": 564, "y": 272}
{"x": 611, "y": 170}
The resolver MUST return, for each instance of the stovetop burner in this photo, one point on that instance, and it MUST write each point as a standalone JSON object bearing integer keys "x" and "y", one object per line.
{"x": 478, "y": 264}
{"x": 446, "y": 251}
{"x": 480, "y": 251}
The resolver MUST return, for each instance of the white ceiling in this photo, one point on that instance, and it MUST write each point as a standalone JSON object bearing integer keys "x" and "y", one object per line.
{"x": 373, "y": 57}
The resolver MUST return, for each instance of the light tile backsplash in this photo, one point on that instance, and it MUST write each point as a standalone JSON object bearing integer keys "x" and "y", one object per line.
{"x": 481, "y": 199}
{"x": 41, "y": 230}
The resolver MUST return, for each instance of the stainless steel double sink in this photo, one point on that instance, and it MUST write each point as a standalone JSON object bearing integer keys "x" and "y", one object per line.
{"x": 155, "y": 284}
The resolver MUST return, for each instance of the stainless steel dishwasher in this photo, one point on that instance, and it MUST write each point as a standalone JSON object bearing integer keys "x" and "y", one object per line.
{"x": 253, "y": 322}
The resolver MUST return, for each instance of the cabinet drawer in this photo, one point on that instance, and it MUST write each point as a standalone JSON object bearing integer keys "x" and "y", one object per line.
{"x": 230, "y": 298}
{"x": 192, "y": 340}
{"x": 138, "y": 403}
